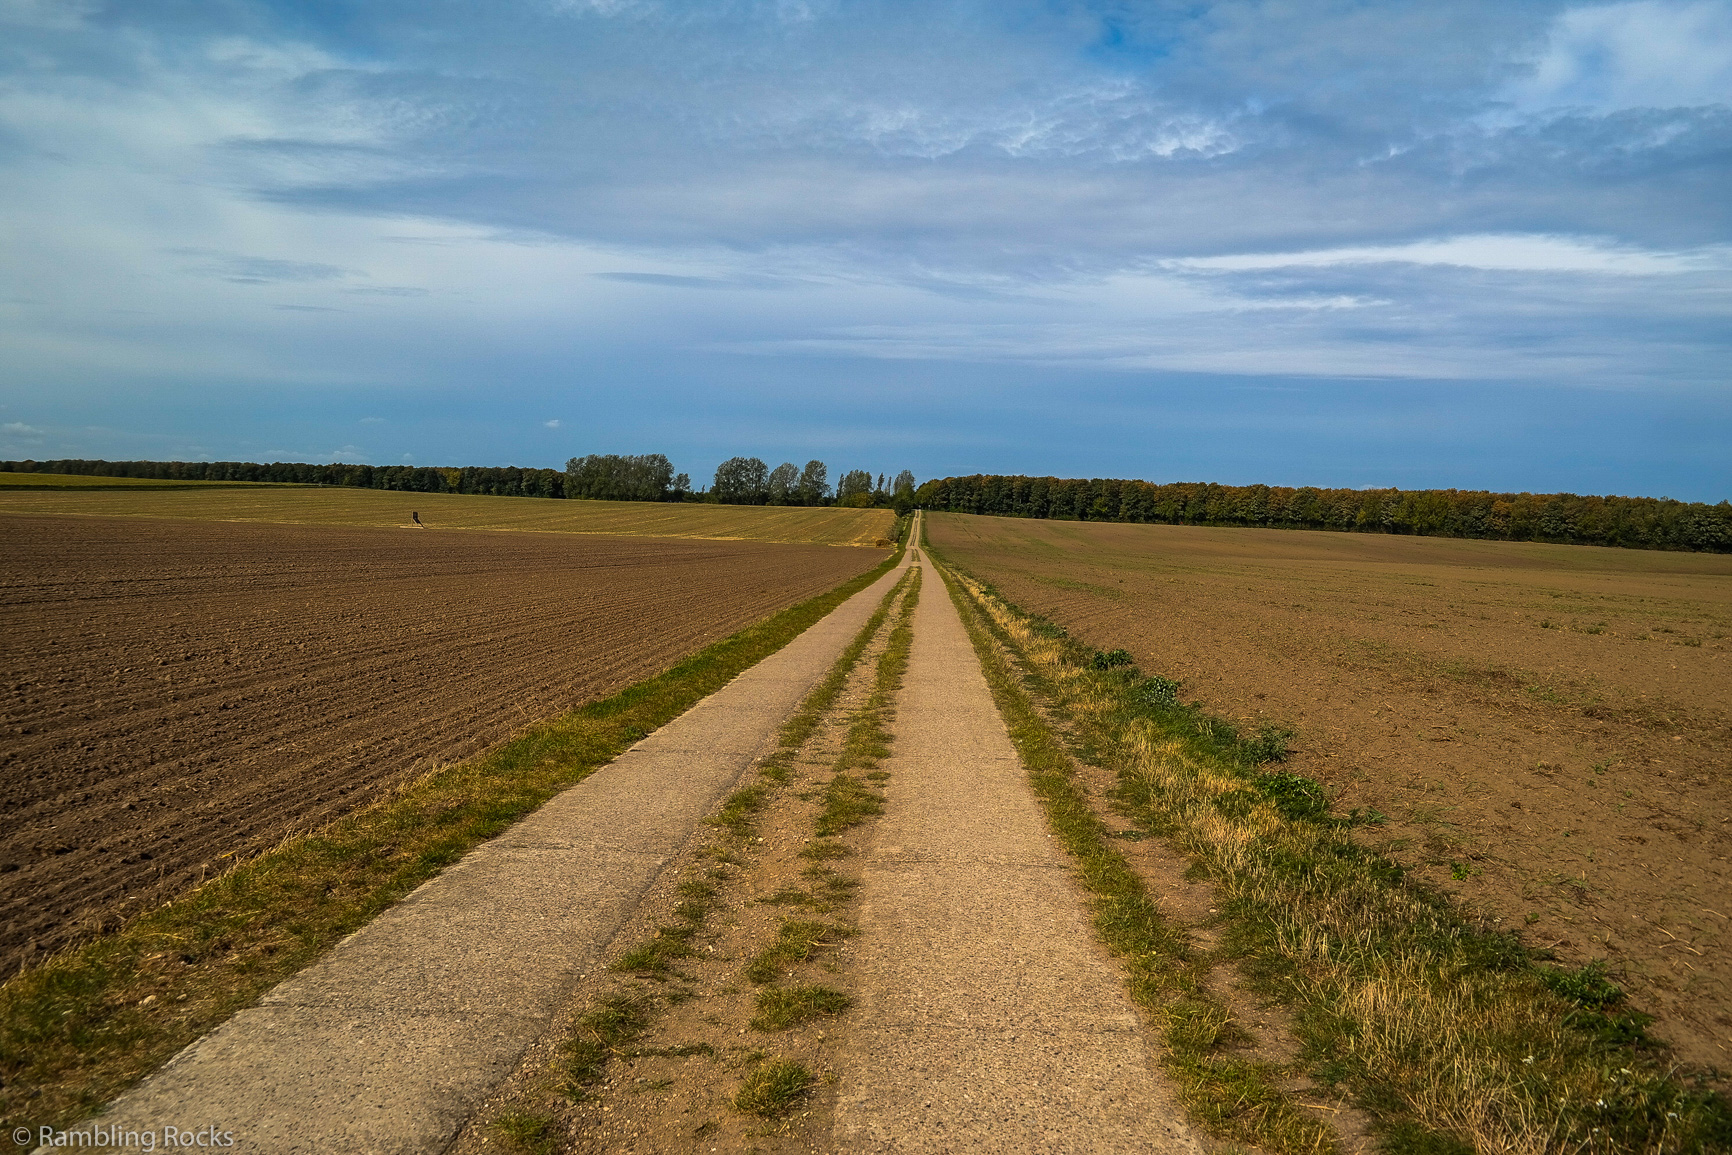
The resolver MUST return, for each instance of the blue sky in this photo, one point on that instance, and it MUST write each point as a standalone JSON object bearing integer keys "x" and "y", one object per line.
{"x": 1475, "y": 244}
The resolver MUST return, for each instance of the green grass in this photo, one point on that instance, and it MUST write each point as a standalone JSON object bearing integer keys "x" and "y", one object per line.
{"x": 782, "y": 1007}
{"x": 526, "y": 1132}
{"x": 1447, "y": 1032}
{"x": 849, "y": 799}
{"x": 332, "y": 505}
{"x": 797, "y": 940}
{"x": 79, "y": 1029}
{"x": 615, "y": 1021}
{"x": 773, "y": 1088}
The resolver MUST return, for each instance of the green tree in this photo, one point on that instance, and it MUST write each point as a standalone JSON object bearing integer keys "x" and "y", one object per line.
{"x": 784, "y": 483}
{"x": 814, "y": 483}
{"x": 612, "y": 477}
{"x": 741, "y": 481}
{"x": 855, "y": 488}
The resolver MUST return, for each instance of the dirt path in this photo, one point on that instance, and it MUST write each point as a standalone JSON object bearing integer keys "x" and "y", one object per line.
{"x": 988, "y": 1019}
{"x": 392, "y": 1041}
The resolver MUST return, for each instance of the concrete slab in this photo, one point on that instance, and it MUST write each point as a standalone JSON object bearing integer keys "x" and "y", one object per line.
{"x": 988, "y": 1019}
{"x": 390, "y": 1042}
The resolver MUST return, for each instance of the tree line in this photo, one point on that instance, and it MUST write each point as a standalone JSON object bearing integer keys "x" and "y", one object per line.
{"x": 1633, "y": 522}
{"x": 598, "y": 476}
{"x": 506, "y": 481}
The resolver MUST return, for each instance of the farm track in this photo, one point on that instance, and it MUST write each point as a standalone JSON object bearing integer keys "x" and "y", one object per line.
{"x": 183, "y": 694}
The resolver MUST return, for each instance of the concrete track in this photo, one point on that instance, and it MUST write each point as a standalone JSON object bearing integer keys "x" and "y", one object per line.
{"x": 989, "y": 1019}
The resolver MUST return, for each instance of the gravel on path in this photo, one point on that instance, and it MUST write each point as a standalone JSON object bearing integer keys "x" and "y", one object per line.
{"x": 391, "y": 1042}
{"x": 987, "y": 1017}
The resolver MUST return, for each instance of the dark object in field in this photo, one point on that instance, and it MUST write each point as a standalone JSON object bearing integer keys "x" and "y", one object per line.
{"x": 416, "y": 518}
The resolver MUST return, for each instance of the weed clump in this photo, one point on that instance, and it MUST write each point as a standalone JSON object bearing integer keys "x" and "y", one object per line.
{"x": 782, "y": 1007}
{"x": 616, "y": 1020}
{"x": 773, "y": 1088}
{"x": 796, "y": 941}
{"x": 1111, "y": 659}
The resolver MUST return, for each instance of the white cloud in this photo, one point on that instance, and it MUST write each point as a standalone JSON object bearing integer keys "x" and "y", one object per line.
{"x": 19, "y": 429}
{"x": 1644, "y": 54}
{"x": 554, "y": 424}
{"x": 1514, "y": 253}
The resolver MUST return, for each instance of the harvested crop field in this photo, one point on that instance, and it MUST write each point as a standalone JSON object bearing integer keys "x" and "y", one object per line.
{"x": 181, "y": 693}
{"x": 1548, "y": 729}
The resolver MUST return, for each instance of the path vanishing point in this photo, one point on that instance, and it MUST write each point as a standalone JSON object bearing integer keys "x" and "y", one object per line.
{"x": 991, "y": 1020}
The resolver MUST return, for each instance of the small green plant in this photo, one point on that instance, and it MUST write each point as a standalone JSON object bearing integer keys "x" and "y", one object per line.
{"x": 1111, "y": 659}
{"x": 782, "y": 1007}
{"x": 1272, "y": 744}
{"x": 526, "y": 1131}
{"x": 796, "y": 940}
{"x": 1158, "y": 691}
{"x": 741, "y": 807}
{"x": 773, "y": 1088}
{"x": 848, "y": 801}
{"x": 1294, "y": 795}
{"x": 615, "y": 1021}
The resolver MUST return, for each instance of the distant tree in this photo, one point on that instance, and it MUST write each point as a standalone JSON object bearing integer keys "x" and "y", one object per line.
{"x": 682, "y": 486}
{"x": 855, "y": 488}
{"x": 814, "y": 483}
{"x": 612, "y": 477}
{"x": 904, "y": 485}
{"x": 741, "y": 481}
{"x": 784, "y": 483}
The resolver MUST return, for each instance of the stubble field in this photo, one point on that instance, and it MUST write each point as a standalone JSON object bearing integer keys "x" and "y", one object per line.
{"x": 1546, "y": 728}
{"x": 180, "y": 694}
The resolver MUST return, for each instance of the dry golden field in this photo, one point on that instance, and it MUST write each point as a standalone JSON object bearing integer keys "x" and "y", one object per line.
{"x": 1547, "y": 728}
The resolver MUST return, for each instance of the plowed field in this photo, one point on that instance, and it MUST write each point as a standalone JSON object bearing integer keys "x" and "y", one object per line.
{"x": 179, "y": 693}
{"x": 1547, "y": 728}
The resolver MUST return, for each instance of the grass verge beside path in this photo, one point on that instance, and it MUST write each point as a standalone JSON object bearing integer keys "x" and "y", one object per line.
{"x": 82, "y": 1027}
{"x": 1450, "y": 1034}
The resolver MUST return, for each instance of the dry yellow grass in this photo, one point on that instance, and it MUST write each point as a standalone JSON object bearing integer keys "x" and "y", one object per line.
{"x": 294, "y": 505}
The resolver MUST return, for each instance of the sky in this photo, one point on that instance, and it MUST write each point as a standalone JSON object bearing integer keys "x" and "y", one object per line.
{"x": 1481, "y": 244}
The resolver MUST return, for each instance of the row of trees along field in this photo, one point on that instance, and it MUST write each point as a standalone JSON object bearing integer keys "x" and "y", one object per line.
{"x": 599, "y": 476}
{"x": 506, "y": 481}
{"x": 1636, "y": 522}
{"x": 750, "y": 481}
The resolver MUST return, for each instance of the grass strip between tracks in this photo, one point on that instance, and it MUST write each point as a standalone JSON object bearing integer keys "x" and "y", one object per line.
{"x": 88, "y": 1023}
{"x": 1448, "y": 1033}
{"x": 615, "y": 1024}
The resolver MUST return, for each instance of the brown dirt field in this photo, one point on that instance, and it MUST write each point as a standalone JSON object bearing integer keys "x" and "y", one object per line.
{"x": 180, "y": 694}
{"x": 1548, "y": 728}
